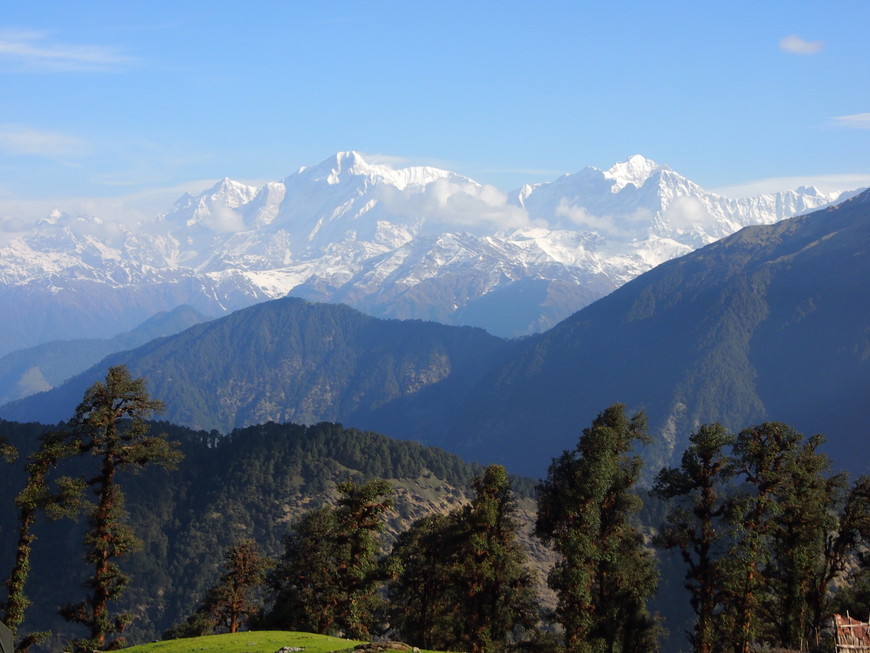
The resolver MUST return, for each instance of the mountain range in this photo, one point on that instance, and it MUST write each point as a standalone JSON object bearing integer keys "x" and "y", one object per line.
{"x": 414, "y": 242}
{"x": 770, "y": 323}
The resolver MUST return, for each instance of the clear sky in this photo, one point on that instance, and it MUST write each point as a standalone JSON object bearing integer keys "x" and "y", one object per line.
{"x": 121, "y": 106}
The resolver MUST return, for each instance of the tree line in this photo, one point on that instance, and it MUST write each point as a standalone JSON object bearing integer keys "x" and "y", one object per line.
{"x": 764, "y": 529}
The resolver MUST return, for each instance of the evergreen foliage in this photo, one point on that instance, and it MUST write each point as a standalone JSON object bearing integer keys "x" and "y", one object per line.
{"x": 459, "y": 580}
{"x": 7, "y": 451}
{"x": 326, "y": 579}
{"x": 853, "y": 535}
{"x": 229, "y": 604}
{"x": 251, "y": 483}
{"x": 695, "y": 524}
{"x": 36, "y": 497}
{"x": 421, "y": 597}
{"x": 765, "y": 530}
{"x": 110, "y": 424}
{"x": 604, "y": 574}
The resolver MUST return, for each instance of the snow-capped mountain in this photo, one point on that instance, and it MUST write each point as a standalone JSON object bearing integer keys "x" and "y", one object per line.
{"x": 414, "y": 242}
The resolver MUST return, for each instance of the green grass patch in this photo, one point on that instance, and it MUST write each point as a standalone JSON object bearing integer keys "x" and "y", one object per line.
{"x": 260, "y": 641}
{"x": 256, "y": 641}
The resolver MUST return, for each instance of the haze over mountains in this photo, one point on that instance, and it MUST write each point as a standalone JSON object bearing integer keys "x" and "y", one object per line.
{"x": 49, "y": 364}
{"x": 407, "y": 243}
{"x": 769, "y": 323}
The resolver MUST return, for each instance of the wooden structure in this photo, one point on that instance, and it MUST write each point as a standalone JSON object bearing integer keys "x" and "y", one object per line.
{"x": 851, "y": 635}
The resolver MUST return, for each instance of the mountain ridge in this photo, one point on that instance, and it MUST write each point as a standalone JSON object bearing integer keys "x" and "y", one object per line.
{"x": 766, "y": 324}
{"x": 414, "y": 242}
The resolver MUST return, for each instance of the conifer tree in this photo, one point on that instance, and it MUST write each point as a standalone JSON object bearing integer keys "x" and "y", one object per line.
{"x": 850, "y": 545}
{"x": 231, "y": 601}
{"x": 782, "y": 523}
{"x": 695, "y": 525}
{"x": 762, "y": 460}
{"x": 37, "y": 496}
{"x": 110, "y": 424}
{"x": 460, "y": 580}
{"x": 604, "y": 574}
{"x": 229, "y": 604}
{"x": 497, "y": 595}
{"x": 805, "y": 518}
{"x": 422, "y": 603}
{"x": 326, "y": 579}
{"x": 360, "y": 516}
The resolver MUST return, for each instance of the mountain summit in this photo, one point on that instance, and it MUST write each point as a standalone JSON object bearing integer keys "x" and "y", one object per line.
{"x": 411, "y": 242}
{"x": 634, "y": 170}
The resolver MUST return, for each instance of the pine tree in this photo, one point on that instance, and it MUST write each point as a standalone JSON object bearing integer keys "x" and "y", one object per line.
{"x": 849, "y": 545}
{"x": 35, "y": 497}
{"x": 304, "y": 584}
{"x": 806, "y": 517}
{"x": 327, "y": 577}
{"x": 496, "y": 587}
{"x": 604, "y": 574}
{"x": 228, "y": 605}
{"x": 109, "y": 424}
{"x": 695, "y": 524}
{"x": 360, "y": 516}
{"x": 421, "y": 594}
{"x": 460, "y": 580}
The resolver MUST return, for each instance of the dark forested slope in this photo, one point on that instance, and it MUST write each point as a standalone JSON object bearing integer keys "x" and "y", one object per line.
{"x": 770, "y": 323}
{"x": 252, "y": 483}
{"x": 291, "y": 360}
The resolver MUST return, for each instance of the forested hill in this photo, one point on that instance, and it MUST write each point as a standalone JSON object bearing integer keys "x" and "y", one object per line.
{"x": 252, "y": 483}
{"x": 289, "y": 360}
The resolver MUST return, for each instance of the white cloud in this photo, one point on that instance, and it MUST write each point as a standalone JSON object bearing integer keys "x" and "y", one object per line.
{"x": 796, "y": 45}
{"x": 221, "y": 218}
{"x": 854, "y": 121}
{"x": 581, "y": 217}
{"x": 687, "y": 212}
{"x": 20, "y": 139}
{"x": 620, "y": 227}
{"x": 460, "y": 203}
{"x": 29, "y": 50}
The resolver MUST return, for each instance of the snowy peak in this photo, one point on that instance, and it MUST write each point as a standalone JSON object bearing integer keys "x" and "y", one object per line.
{"x": 230, "y": 193}
{"x": 351, "y": 168}
{"x": 634, "y": 170}
{"x": 411, "y": 241}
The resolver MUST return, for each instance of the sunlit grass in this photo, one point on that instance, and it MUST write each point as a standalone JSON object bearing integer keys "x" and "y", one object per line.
{"x": 259, "y": 641}
{"x": 265, "y": 641}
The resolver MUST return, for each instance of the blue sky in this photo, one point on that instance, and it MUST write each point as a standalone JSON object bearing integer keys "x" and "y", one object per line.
{"x": 121, "y": 106}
